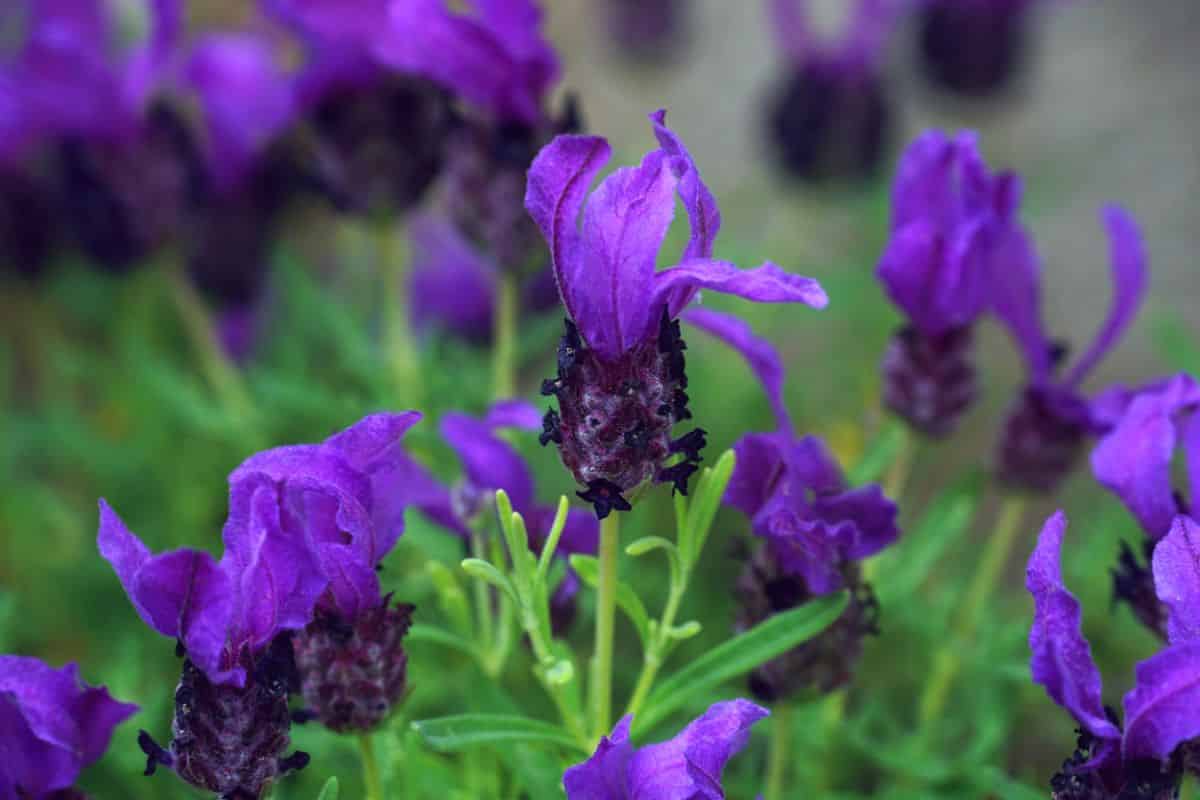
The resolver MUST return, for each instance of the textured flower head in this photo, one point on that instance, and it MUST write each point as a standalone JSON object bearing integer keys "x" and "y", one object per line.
{"x": 1044, "y": 433}
{"x": 997, "y": 30}
{"x": 1162, "y": 711}
{"x": 52, "y": 725}
{"x": 687, "y": 767}
{"x": 791, "y": 487}
{"x": 621, "y": 380}
{"x": 1133, "y": 460}
{"x": 76, "y": 79}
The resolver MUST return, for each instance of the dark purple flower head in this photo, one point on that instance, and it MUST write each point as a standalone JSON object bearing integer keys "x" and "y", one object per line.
{"x": 52, "y": 725}
{"x": 621, "y": 380}
{"x": 1133, "y": 460}
{"x": 832, "y": 116}
{"x": 973, "y": 47}
{"x": 1045, "y": 431}
{"x": 1162, "y": 711}
{"x": 687, "y": 767}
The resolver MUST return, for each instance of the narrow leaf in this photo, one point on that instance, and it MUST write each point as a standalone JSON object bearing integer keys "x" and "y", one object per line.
{"x": 739, "y": 655}
{"x": 588, "y": 569}
{"x": 431, "y": 635}
{"x": 484, "y": 571}
{"x": 449, "y": 734}
{"x": 883, "y": 451}
{"x": 329, "y": 791}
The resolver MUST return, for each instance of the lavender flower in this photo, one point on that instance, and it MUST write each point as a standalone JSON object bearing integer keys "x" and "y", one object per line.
{"x": 286, "y": 548}
{"x": 453, "y": 284}
{"x": 973, "y": 47}
{"x": 124, "y": 163}
{"x": 490, "y": 463}
{"x": 1045, "y": 431}
{"x": 832, "y": 117}
{"x": 621, "y": 383}
{"x": 51, "y": 726}
{"x": 951, "y": 219}
{"x": 647, "y": 30}
{"x": 816, "y": 531}
{"x": 345, "y": 497}
{"x": 1145, "y": 757}
{"x": 684, "y": 767}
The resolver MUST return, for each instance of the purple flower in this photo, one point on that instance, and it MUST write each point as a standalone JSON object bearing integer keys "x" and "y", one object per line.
{"x": 831, "y": 118}
{"x": 950, "y": 219}
{"x": 621, "y": 380}
{"x": 686, "y": 767}
{"x": 453, "y": 284}
{"x": 1045, "y": 430}
{"x": 1161, "y": 709}
{"x": 816, "y": 530}
{"x": 997, "y": 31}
{"x": 1133, "y": 460}
{"x": 648, "y": 30}
{"x": 52, "y": 725}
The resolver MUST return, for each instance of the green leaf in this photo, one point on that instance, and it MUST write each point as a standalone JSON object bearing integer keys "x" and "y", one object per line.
{"x": 703, "y": 507}
{"x": 588, "y": 569}
{"x": 485, "y": 571}
{"x": 329, "y": 791}
{"x": 461, "y": 731}
{"x": 903, "y": 569}
{"x": 432, "y": 635}
{"x": 879, "y": 456}
{"x": 739, "y": 655}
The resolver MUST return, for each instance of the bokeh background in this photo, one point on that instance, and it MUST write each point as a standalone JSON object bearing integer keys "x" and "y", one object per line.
{"x": 106, "y": 394}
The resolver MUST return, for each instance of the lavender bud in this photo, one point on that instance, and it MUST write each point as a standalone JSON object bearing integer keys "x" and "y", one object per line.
{"x": 353, "y": 673}
{"x": 1041, "y": 439}
{"x": 929, "y": 381}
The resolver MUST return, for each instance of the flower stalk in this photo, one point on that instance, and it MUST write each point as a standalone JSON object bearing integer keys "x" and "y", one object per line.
{"x": 778, "y": 752}
{"x": 504, "y": 338}
{"x": 606, "y": 616}
{"x": 371, "y": 779}
{"x": 400, "y": 350}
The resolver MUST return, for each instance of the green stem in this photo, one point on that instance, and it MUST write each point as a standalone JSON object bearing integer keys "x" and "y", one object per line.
{"x": 503, "y": 643}
{"x": 777, "y": 754}
{"x": 948, "y": 660}
{"x": 504, "y": 339}
{"x": 897, "y": 474}
{"x": 219, "y": 371}
{"x": 483, "y": 599}
{"x": 606, "y": 615}
{"x": 374, "y": 785}
{"x": 400, "y": 349}
{"x": 656, "y": 650}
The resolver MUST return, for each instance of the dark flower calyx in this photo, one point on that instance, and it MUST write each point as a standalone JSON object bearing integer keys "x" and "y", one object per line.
{"x": 228, "y": 739}
{"x": 605, "y": 496}
{"x": 354, "y": 672}
{"x": 929, "y": 381}
{"x": 973, "y": 48}
{"x": 1133, "y": 584}
{"x": 1042, "y": 439}
{"x": 614, "y": 419}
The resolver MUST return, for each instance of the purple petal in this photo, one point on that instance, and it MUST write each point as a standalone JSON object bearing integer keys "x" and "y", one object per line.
{"x": 519, "y": 414}
{"x": 51, "y": 725}
{"x": 1134, "y": 459}
{"x": 151, "y": 64}
{"x": 689, "y": 766}
{"x": 922, "y": 190}
{"x": 703, "y": 213}
{"x": 410, "y": 484}
{"x": 373, "y": 439}
{"x": 1191, "y": 454}
{"x": 1177, "y": 579}
{"x": 331, "y": 21}
{"x": 1163, "y": 709}
{"x": 453, "y": 285}
{"x": 938, "y": 282}
{"x": 869, "y": 27}
{"x": 624, "y": 224}
{"x": 790, "y": 25}
{"x": 1062, "y": 659}
{"x": 757, "y": 472}
{"x": 862, "y": 520}
{"x": 1014, "y": 284}
{"x": 604, "y": 775}
{"x": 760, "y": 354}
{"x": 768, "y": 283}
{"x": 802, "y": 546}
{"x": 181, "y": 594}
{"x": 557, "y": 182}
{"x": 247, "y": 99}
{"x": 811, "y": 465}
{"x": 490, "y": 462}
{"x": 1128, "y": 256}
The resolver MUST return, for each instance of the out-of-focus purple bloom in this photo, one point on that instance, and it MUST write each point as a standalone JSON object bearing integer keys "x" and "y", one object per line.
{"x": 1133, "y": 460}
{"x": 831, "y": 118}
{"x": 1162, "y": 711}
{"x": 685, "y": 767}
{"x": 1045, "y": 431}
{"x": 816, "y": 530}
{"x": 622, "y": 330}
{"x": 453, "y": 284}
{"x": 973, "y": 47}
{"x": 648, "y": 30}
{"x": 951, "y": 219}
{"x": 52, "y": 725}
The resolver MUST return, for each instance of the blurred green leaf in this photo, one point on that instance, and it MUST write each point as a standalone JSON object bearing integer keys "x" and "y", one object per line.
{"x": 448, "y": 734}
{"x": 884, "y": 450}
{"x": 329, "y": 791}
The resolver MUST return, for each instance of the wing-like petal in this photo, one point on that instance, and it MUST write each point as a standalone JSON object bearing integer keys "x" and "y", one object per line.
{"x": 1176, "y": 566}
{"x": 1163, "y": 708}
